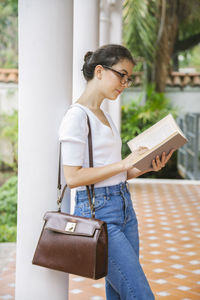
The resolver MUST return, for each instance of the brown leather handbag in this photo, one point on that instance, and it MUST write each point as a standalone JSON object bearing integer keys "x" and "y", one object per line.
{"x": 73, "y": 244}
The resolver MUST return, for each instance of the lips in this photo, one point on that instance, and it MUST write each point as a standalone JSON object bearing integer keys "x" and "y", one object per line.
{"x": 119, "y": 91}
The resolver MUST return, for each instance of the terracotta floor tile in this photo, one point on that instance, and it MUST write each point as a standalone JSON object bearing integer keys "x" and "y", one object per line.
{"x": 191, "y": 267}
{"x": 171, "y": 297}
{"x": 194, "y": 277}
{"x": 164, "y": 287}
{"x": 196, "y": 290}
{"x": 184, "y": 294}
{"x": 155, "y": 276}
{"x": 183, "y": 280}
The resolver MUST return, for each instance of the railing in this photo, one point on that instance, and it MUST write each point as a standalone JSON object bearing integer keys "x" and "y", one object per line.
{"x": 189, "y": 154}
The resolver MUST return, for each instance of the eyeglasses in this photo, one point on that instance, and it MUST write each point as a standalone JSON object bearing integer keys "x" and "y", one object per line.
{"x": 123, "y": 77}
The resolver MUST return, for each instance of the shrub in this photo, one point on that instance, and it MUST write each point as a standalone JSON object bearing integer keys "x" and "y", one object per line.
{"x": 8, "y": 210}
{"x": 9, "y": 131}
{"x": 136, "y": 118}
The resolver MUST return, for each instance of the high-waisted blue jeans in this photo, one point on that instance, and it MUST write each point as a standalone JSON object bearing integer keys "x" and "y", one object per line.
{"x": 125, "y": 279}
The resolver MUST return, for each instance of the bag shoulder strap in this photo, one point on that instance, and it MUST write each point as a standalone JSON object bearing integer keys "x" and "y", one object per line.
{"x": 90, "y": 148}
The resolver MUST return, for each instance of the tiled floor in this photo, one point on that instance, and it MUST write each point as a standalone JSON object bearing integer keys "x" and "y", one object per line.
{"x": 7, "y": 270}
{"x": 169, "y": 225}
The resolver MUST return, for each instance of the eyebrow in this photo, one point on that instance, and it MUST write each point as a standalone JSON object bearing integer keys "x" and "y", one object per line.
{"x": 124, "y": 71}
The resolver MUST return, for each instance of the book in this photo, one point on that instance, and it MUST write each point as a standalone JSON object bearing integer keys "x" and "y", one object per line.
{"x": 163, "y": 136}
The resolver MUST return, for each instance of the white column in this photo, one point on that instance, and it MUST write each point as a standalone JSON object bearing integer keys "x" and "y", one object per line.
{"x": 85, "y": 38}
{"x": 105, "y": 22}
{"x": 116, "y": 7}
{"x": 114, "y": 107}
{"x": 111, "y": 33}
{"x": 45, "y": 81}
{"x": 104, "y": 36}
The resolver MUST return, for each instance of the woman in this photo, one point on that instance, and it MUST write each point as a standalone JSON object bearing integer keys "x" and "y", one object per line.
{"x": 108, "y": 72}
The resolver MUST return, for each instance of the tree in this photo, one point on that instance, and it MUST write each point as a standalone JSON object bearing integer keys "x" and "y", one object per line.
{"x": 158, "y": 30}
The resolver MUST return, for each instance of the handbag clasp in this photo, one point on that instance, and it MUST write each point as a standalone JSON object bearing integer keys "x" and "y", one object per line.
{"x": 70, "y": 226}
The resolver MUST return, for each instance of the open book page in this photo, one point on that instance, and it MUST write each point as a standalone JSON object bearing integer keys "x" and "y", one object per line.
{"x": 156, "y": 134}
{"x": 161, "y": 137}
{"x": 144, "y": 161}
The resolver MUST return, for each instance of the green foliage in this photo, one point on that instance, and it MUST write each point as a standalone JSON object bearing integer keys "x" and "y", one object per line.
{"x": 190, "y": 58}
{"x": 139, "y": 28}
{"x": 195, "y": 58}
{"x": 136, "y": 118}
{"x": 141, "y": 23}
{"x": 8, "y": 210}
{"x": 8, "y": 233}
{"x": 9, "y": 131}
{"x": 8, "y": 34}
{"x": 189, "y": 21}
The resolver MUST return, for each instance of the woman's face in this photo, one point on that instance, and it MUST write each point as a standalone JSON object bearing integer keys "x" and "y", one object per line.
{"x": 110, "y": 84}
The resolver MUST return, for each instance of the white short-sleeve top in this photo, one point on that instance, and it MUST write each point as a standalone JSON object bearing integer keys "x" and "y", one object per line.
{"x": 106, "y": 142}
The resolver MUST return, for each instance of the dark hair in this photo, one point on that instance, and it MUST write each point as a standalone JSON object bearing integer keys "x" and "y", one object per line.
{"x": 108, "y": 55}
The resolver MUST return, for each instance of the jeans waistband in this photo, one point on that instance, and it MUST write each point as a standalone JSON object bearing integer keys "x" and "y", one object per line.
{"x": 105, "y": 191}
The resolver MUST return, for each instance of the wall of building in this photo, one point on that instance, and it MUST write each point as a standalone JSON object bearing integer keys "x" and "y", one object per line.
{"x": 8, "y": 97}
{"x": 188, "y": 99}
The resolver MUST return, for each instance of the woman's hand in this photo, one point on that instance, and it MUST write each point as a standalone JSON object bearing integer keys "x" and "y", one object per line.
{"x": 128, "y": 161}
{"x": 158, "y": 164}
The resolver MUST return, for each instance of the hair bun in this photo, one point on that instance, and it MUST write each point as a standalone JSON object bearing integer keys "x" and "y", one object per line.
{"x": 87, "y": 56}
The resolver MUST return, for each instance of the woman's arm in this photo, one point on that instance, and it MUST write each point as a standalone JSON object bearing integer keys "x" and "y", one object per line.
{"x": 134, "y": 172}
{"x": 78, "y": 176}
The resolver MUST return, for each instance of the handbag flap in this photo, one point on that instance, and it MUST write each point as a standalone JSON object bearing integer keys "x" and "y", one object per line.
{"x": 69, "y": 224}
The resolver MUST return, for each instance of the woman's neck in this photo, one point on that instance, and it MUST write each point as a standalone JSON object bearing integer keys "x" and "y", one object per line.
{"x": 91, "y": 98}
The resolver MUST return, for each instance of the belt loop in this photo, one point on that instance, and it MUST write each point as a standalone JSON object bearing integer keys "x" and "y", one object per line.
{"x": 127, "y": 185}
{"x": 107, "y": 191}
{"x": 76, "y": 198}
{"x": 121, "y": 186}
